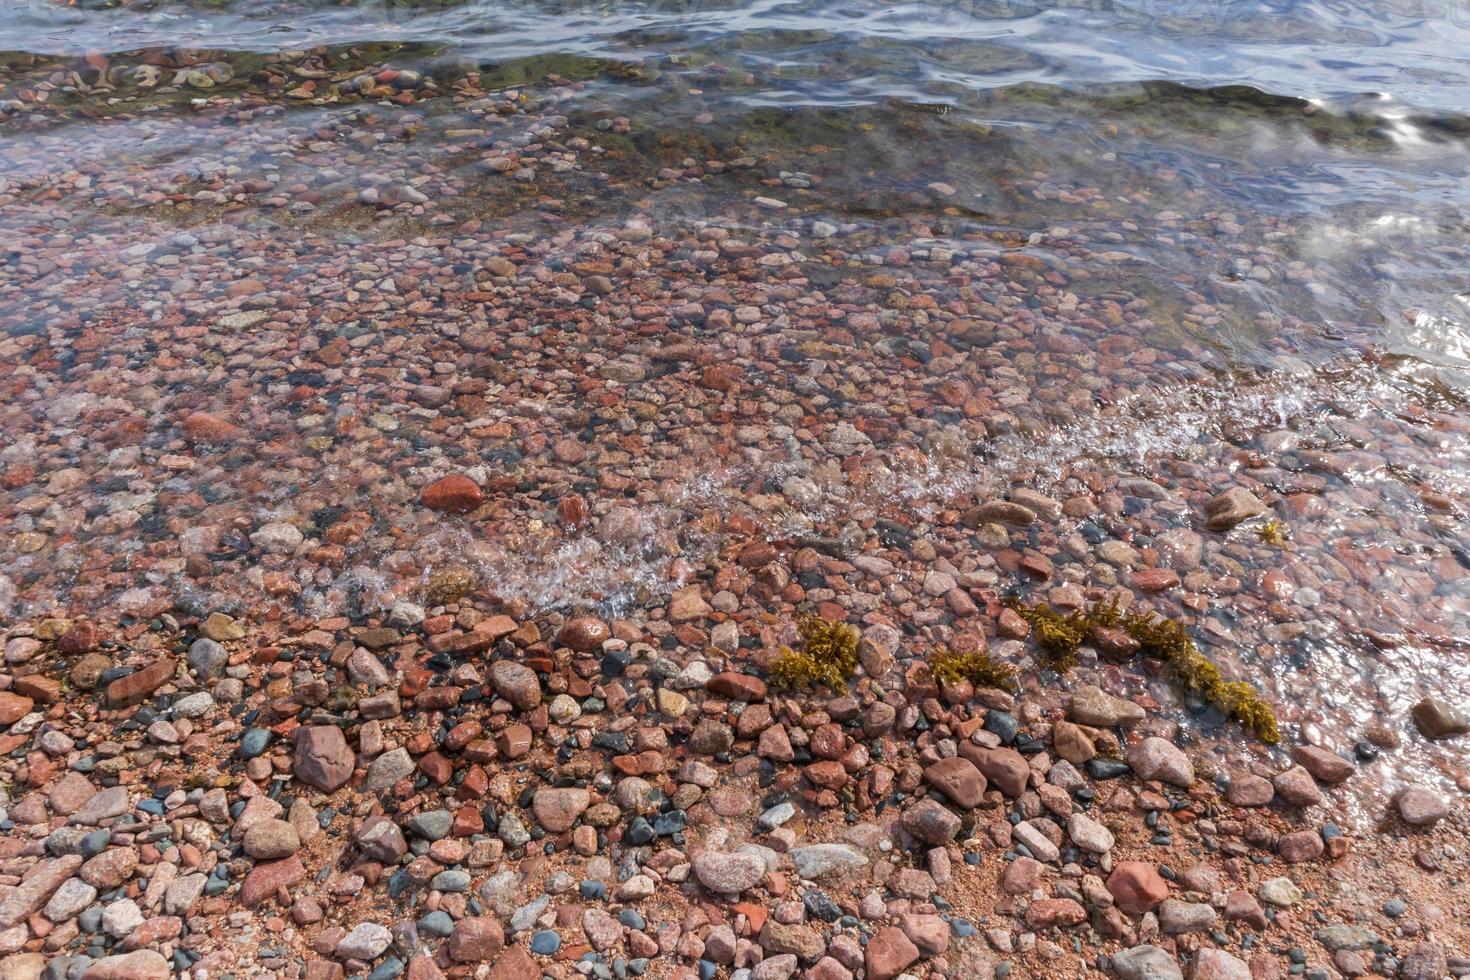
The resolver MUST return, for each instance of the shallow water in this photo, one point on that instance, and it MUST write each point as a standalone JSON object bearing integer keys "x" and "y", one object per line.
{"x": 1270, "y": 200}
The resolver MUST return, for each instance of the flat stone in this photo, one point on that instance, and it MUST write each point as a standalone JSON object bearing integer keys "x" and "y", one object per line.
{"x": 1297, "y": 787}
{"x": 14, "y": 707}
{"x": 476, "y": 939}
{"x": 121, "y": 917}
{"x": 1216, "y": 964}
{"x": 517, "y": 683}
{"x": 1022, "y": 876}
{"x": 1158, "y": 758}
{"x": 1088, "y": 834}
{"x": 277, "y": 538}
{"x": 1146, "y": 963}
{"x": 1336, "y": 937}
{"x": 558, "y": 809}
{"x": 70, "y": 793}
{"x": 23, "y": 966}
{"x": 1425, "y": 960}
{"x": 1436, "y": 720}
{"x": 141, "y": 964}
{"x": 267, "y": 877}
{"x": 1004, "y": 768}
{"x": 388, "y": 769}
{"x": 687, "y": 606}
{"x": 367, "y": 941}
{"x": 40, "y": 883}
{"x": 1421, "y": 807}
{"x": 999, "y": 512}
{"x": 930, "y": 933}
{"x": 1049, "y": 912}
{"x": 514, "y": 964}
{"x": 1241, "y": 906}
{"x": 816, "y": 861}
{"x": 1281, "y": 892}
{"x": 111, "y": 868}
{"x": 1250, "y": 790}
{"x": 603, "y": 931}
{"x": 1176, "y": 917}
{"x": 453, "y": 494}
{"x": 728, "y": 872}
{"x": 1325, "y": 766}
{"x": 584, "y": 634}
{"x": 1301, "y": 846}
{"x": 1037, "y": 843}
{"x": 1227, "y": 509}
{"x": 796, "y": 939}
{"x": 737, "y": 686}
{"x": 68, "y": 901}
{"x": 136, "y": 687}
{"x": 271, "y": 839}
{"x": 1071, "y": 743}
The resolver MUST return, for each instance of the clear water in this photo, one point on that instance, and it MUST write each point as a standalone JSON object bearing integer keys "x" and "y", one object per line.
{"x": 1286, "y": 184}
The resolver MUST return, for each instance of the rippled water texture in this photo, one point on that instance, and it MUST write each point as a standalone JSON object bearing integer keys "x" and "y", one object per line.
{"x": 1130, "y": 251}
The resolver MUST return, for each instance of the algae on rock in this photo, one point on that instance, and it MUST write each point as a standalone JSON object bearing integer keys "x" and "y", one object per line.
{"x": 828, "y": 656}
{"x": 979, "y": 668}
{"x": 1060, "y": 635}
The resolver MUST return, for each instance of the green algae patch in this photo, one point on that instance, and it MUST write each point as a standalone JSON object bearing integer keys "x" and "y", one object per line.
{"x": 979, "y": 668}
{"x": 828, "y": 656}
{"x": 1168, "y": 640}
{"x": 1059, "y": 635}
{"x": 1274, "y": 533}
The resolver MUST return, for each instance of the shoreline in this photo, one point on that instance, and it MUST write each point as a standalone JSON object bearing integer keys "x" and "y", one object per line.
{"x": 410, "y": 487}
{"x": 924, "y": 843}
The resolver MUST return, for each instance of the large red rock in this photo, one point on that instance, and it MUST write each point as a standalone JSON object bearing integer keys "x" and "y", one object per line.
{"x": 958, "y": 780}
{"x": 1137, "y": 887}
{"x": 203, "y": 427}
{"x": 476, "y": 939}
{"x": 557, "y": 809}
{"x": 1054, "y": 912}
{"x": 453, "y": 494}
{"x": 137, "y": 686}
{"x": 1007, "y": 769}
{"x": 322, "y": 757}
{"x": 423, "y": 967}
{"x": 83, "y": 637}
{"x": 889, "y": 953}
{"x": 14, "y": 707}
{"x": 515, "y": 964}
{"x": 736, "y": 686}
{"x": 263, "y": 880}
{"x": 583, "y": 634}
{"x": 40, "y": 882}
{"x": 143, "y": 964}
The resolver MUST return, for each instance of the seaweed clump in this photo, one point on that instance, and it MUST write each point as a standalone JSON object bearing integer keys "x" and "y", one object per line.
{"x": 1168, "y": 640}
{"x": 1273, "y": 532}
{"x": 979, "y": 668}
{"x": 828, "y": 656}
{"x": 1060, "y": 635}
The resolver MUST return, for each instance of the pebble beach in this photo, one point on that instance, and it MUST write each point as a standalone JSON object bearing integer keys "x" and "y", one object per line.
{"x": 415, "y": 472}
